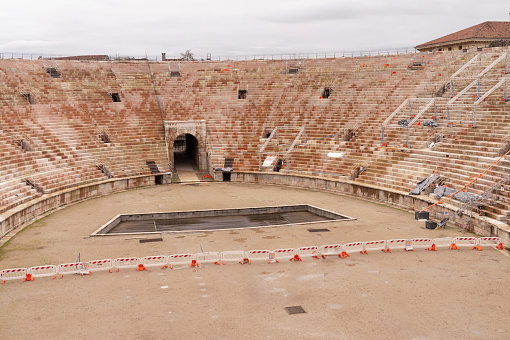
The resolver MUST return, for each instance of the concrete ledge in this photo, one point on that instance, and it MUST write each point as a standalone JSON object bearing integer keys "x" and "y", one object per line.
{"x": 482, "y": 225}
{"x": 30, "y": 211}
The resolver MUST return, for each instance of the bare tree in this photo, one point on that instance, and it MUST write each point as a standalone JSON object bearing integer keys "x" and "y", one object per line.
{"x": 187, "y": 56}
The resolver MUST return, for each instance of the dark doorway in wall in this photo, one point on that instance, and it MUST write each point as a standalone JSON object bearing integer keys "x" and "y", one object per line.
{"x": 186, "y": 155}
{"x": 53, "y": 72}
{"x": 327, "y": 92}
{"x": 115, "y": 97}
{"x": 227, "y": 176}
{"x": 241, "y": 94}
{"x": 158, "y": 179}
{"x": 293, "y": 70}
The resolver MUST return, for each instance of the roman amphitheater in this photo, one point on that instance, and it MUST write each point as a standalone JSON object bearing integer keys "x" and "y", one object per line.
{"x": 88, "y": 142}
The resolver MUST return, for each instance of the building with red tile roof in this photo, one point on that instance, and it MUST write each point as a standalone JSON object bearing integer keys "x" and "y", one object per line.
{"x": 486, "y": 34}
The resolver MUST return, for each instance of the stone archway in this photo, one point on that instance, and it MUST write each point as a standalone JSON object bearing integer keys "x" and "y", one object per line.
{"x": 193, "y": 135}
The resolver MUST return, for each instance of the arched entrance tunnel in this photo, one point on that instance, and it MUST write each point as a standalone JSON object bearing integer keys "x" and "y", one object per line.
{"x": 186, "y": 153}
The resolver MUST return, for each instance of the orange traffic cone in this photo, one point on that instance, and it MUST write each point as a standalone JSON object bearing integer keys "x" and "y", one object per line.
{"x": 295, "y": 258}
{"x": 453, "y": 246}
{"x": 432, "y": 248}
{"x": 500, "y": 246}
{"x": 344, "y": 254}
{"x": 140, "y": 268}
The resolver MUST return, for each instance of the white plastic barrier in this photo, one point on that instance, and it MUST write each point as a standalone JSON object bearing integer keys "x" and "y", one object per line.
{"x": 284, "y": 254}
{"x": 154, "y": 261}
{"x": 350, "y": 247}
{"x": 443, "y": 242}
{"x": 332, "y": 249}
{"x": 13, "y": 274}
{"x": 312, "y": 251}
{"x": 73, "y": 268}
{"x": 396, "y": 244}
{"x": 179, "y": 259}
{"x": 126, "y": 262}
{"x": 490, "y": 242}
{"x": 464, "y": 242}
{"x": 208, "y": 257}
{"x": 233, "y": 256}
{"x": 375, "y": 245}
{"x": 421, "y": 243}
{"x": 257, "y": 255}
{"x": 98, "y": 265}
{"x": 41, "y": 271}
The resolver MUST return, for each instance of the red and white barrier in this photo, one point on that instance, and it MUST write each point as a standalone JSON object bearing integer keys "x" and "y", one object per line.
{"x": 154, "y": 261}
{"x": 13, "y": 274}
{"x": 243, "y": 257}
{"x": 98, "y": 265}
{"x": 331, "y": 250}
{"x": 312, "y": 251}
{"x": 233, "y": 256}
{"x": 490, "y": 242}
{"x": 350, "y": 247}
{"x": 464, "y": 242}
{"x": 443, "y": 242}
{"x": 208, "y": 257}
{"x": 73, "y": 268}
{"x": 421, "y": 243}
{"x": 179, "y": 259}
{"x": 284, "y": 254}
{"x": 396, "y": 244}
{"x": 375, "y": 245}
{"x": 41, "y": 271}
{"x": 257, "y": 255}
{"x": 126, "y": 262}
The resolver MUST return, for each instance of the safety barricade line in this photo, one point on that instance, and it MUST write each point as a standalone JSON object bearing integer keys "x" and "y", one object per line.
{"x": 180, "y": 259}
{"x": 354, "y": 246}
{"x": 464, "y": 242}
{"x": 41, "y": 271}
{"x": 128, "y": 262}
{"x": 490, "y": 242}
{"x": 234, "y": 256}
{"x": 98, "y": 265}
{"x": 208, "y": 257}
{"x": 442, "y": 242}
{"x": 13, "y": 274}
{"x": 394, "y": 244}
{"x": 257, "y": 255}
{"x": 194, "y": 260}
{"x": 374, "y": 245}
{"x": 312, "y": 251}
{"x": 153, "y": 261}
{"x": 331, "y": 250}
{"x": 73, "y": 268}
{"x": 421, "y": 243}
{"x": 285, "y": 254}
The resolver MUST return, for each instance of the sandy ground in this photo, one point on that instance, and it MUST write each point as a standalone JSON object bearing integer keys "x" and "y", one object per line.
{"x": 416, "y": 295}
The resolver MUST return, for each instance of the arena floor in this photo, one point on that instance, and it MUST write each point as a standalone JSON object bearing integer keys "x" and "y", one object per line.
{"x": 415, "y": 295}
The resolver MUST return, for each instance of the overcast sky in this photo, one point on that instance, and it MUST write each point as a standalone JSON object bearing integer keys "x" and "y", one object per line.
{"x": 225, "y": 27}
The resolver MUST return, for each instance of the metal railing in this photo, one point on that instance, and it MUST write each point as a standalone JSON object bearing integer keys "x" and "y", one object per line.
{"x": 406, "y": 108}
{"x": 209, "y": 57}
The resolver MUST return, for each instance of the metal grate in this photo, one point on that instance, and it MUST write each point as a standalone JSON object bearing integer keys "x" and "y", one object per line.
{"x": 151, "y": 240}
{"x": 318, "y": 230}
{"x": 295, "y": 310}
